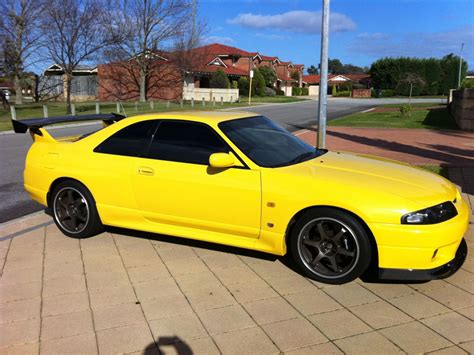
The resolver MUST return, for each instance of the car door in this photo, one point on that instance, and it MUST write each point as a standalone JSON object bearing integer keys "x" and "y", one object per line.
{"x": 175, "y": 185}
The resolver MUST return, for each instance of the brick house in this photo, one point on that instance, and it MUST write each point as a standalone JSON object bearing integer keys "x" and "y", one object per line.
{"x": 177, "y": 75}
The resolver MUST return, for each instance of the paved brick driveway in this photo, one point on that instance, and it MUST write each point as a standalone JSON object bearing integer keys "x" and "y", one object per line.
{"x": 118, "y": 293}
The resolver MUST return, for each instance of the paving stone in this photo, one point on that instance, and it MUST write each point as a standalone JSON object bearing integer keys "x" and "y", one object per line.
{"x": 179, "y": 328}
{"x": 26, "y": 262}
{"x": 13, "y": 277}
{"x": 368, "y": 343}
{"x": 58, "y": 269}
{"x": 294, "y": 333}
{"x": 312, "y": 302}
{"x": 414, "y": 337}
{"x": 453, "y": 326}
{"x": 245, "y": 341}
{"x": 23, "y": 331}
{"x": 326, "y": 348}
{"x": 21, "y": 349}
{"x": 389, "y": 291}
{"x": 222, "y": 261}
{"x": 460, "y": 276}
{"x": 156, "y": 288}
{"x": 419, "y": 306}
{"x": 287, "y": 285}
{"x": 210, "y": 298}
{"x": 68, "y": 303}
{"x": 148, "y": 273}
{"x": 175, "y": 252}
{"x": 468, "y": 346}
{"x": 77, "y": 344}
{"x": 20, "y": 310}
{"x": 452, "y": 297}
{"x": 199, "y": 281}
{"x": 380, "y": 314}
{"x": 117, "y": 316}
{"x": 65, "y": 325}
{"x": 194, "y": 346}
{"x": 111, "y": 296}
{"x": 126, "y": 339}
{"x": 186, "y": 266}
{"x": 166, "y": 306}
{"x": 253, "y": 291}
{"x": 430, "y": 285}
{"x": 63, "y": 285}
{"x": 351, "y": 294}
{"x": 141, "y": 257}
{"x": 100, "y": 279}
{"x": 237, "y": 275}
{"x": 18, "y": 292}
{"x": 270, "y": 310}
{"x": 467, "y": 312}
{"x": 272, "y": 269}
{"x": 339, "y": 324}
{"x": 225, "y": 319}
{"x": 466, "y": 286}
{"x": 452, "y": 350}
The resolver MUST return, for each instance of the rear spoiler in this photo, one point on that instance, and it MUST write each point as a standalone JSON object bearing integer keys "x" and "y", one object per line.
{"x": 34, "y": 124}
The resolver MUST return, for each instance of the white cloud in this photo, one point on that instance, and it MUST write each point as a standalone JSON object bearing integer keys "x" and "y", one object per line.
{"x": 434, "y": 44}
{"x": 218, "y": 39}
{"x": 271, "y": 36}
{"x": 295, "y": 21}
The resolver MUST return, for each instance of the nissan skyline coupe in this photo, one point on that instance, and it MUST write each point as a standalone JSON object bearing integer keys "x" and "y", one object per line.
{"x": 241, "y": 180}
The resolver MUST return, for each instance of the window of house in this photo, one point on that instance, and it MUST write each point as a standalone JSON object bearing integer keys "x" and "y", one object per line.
{"x": 186, "y": 142}
{"x": 130, "y": 141}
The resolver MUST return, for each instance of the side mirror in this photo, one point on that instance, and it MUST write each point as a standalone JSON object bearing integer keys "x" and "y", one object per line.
{"x": 221, "y": 160}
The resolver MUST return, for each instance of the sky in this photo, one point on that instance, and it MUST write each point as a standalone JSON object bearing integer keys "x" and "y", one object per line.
{"x": 361, "y": 31}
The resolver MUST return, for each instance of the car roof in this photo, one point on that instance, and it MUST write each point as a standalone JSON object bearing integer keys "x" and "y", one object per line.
{"x": 208, "y": 117}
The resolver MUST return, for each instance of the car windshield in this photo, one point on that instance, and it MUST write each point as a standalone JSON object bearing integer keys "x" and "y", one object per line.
{"x": 266, "y": 143}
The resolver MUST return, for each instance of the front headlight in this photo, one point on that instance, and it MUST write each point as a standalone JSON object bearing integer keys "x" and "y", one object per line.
{"x": 431, "y": 215}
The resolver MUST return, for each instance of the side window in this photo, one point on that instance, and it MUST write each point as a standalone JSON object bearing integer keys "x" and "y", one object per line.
{"x": 130, "y": 141}
{"x": 185, "y": 142}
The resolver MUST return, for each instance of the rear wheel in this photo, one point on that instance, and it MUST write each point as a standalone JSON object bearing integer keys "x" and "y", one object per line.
{"x": 74, "y": 210}
{"x": 330, "y": 246}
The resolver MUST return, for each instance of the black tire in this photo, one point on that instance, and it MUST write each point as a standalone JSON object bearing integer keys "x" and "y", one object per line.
{"x": 74, "y": 210}
{"x": 330, "y": 246}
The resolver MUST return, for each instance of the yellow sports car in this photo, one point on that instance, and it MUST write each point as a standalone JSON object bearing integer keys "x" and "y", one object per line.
{"x": 240, "y": 179}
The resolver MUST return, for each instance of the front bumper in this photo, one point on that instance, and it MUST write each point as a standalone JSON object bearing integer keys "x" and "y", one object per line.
{"x": 440, "y": 272}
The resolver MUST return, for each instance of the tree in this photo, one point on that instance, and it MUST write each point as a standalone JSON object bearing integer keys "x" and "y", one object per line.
{"x": 335, "y": 66}
{"x": 295, "y": 74}
{"x": 411, "y": 80}
{"x": 75, "y": 33}
{"x": 258, "y": 83}
{"x": 145, "y": 27}
{"x": 219, "y": 80}
{"x": 243, "y": 86}
{"x": 269, "y": 75}
{"x": 21, "y": 38}
{"x": 312, "y": 70}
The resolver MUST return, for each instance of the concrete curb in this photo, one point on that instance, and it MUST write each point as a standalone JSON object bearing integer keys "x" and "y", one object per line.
{"x": 21, "y": 219}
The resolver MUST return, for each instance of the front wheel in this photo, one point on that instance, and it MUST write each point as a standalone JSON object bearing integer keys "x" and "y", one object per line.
{"x": 74, "y": 210}
{"x": 330, "y": 246}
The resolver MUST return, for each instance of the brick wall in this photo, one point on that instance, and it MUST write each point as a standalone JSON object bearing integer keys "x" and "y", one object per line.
{"x": 361, "y": 93}
{"x": 462, "y": 108}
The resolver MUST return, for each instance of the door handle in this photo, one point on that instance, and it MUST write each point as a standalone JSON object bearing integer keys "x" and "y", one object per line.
{"x": 144, "y": 170}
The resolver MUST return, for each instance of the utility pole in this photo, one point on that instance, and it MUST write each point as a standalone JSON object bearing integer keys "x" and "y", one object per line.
{"x": 323, "y": 83}
{"x": 460, "y": 66}
{"x": 250, "y": 86}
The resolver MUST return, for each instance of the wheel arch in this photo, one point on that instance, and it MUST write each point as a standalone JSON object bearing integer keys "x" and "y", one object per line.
{"x": 58, "y": 181}
{"x": 373, "y": 243}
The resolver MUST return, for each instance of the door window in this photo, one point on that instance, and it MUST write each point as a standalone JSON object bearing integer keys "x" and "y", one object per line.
{"x": 186, "y": 142}
{"x": 130, "y": 141}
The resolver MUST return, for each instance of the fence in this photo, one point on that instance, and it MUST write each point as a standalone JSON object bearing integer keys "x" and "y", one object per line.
{"x": 83, "y": 88}
{"x": 199, "y": 94}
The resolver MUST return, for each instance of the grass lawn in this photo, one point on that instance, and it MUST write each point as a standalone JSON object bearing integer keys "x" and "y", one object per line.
{"x": 33, "y": 110}
{"x": 422, "y": 116}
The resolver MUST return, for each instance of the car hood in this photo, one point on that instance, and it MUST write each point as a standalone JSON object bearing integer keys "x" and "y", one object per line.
{"x": 377, "y": 174}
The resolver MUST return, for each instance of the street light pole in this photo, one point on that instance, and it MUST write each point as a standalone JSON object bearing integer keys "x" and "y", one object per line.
{"x": 323, "y": 82}
{"x": 460, "y": 66}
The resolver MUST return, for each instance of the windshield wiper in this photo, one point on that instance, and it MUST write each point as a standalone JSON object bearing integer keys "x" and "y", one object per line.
{"x": 303, "y": 157}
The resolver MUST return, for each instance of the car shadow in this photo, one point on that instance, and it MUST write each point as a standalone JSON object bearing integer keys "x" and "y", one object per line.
{"x": 179, "y": 346}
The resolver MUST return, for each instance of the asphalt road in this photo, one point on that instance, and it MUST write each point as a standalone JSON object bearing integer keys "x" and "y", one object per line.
{"x": 15, "y": 202}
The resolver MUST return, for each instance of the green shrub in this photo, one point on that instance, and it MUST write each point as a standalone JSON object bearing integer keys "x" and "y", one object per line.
{"x": 405, "y": 110}
{"x": 269, "y": 91}
{"x": 243, "y": 86}
{"x": 467, "y": 84}
{"x": 304, "y": 91}
{"x": 334, "y": 90}
{"x": 219, "y": 80}
{"x": 258, "y": 84}
{"x": 269, "y": 75}
{"x": 235, "y": 84}
{"x": 387, "y": 93}
{"x": 279, "y": 92}
{"x": 296, "y": 91}
{"x": 345, "y": 93}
